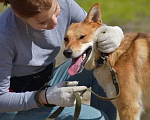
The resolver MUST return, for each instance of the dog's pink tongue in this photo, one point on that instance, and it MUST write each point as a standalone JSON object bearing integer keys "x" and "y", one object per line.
{"x": 75, "y": 66}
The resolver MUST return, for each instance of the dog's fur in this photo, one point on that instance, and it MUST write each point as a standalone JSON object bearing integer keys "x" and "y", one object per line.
{"x": 131, "y": 62}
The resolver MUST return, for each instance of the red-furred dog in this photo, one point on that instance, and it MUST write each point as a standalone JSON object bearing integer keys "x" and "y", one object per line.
{"x": 131, "y": 62}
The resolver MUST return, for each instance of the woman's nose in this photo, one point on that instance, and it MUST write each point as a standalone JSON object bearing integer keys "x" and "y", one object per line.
{"x": 54, "y": 20}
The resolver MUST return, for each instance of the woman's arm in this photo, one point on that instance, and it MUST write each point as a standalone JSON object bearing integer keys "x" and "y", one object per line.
{"x": 11, "y": 101}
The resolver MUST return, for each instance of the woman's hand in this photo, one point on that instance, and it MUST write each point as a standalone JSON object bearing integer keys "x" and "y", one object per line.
{"x": 109, "y": 38}
{"x": 61, "y": 94}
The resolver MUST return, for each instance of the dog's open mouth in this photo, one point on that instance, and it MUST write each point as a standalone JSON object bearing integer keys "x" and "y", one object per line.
{"x": 78, "y": 63}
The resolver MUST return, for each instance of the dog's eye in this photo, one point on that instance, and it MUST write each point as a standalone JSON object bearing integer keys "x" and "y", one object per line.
{"x": 66, "y": 39}
{"x": 83, "y": 36}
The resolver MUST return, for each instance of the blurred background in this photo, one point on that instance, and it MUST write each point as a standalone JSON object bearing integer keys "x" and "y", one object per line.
{"x": 130, "y": 15}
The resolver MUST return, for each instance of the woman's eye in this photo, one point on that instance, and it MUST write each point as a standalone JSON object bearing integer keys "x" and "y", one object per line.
{"x": 82, "y": 36}
{"x": 43, "y": 23}
{"x": 66, "y": 38}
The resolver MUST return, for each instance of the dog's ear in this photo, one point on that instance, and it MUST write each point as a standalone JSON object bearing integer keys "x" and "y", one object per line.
{"x": 94, "y": 14}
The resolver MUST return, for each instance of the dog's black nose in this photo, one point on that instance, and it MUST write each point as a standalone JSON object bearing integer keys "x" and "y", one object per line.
{"x": 67, "y": 53}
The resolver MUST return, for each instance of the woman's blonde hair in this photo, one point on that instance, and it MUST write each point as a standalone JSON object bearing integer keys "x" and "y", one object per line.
{"x": 28, "y": 8}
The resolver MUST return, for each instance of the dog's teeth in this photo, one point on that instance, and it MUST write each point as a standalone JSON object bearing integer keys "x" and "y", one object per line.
{"x": 83, "y": 57}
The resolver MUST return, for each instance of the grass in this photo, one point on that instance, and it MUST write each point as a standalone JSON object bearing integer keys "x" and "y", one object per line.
{"x": 122, "y": 11}
{"x": 2, "y": 8}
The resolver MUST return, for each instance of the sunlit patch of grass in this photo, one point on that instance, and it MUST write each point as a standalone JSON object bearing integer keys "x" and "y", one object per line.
{"x": 2, "y": 8}
{"x": 119, "y": 11}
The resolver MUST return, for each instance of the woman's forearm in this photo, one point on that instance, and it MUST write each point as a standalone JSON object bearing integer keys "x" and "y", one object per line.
{"x": 17, "y": 101}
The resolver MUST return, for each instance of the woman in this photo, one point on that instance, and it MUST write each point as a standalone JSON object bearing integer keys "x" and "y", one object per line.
{"x": 31, "y": 36}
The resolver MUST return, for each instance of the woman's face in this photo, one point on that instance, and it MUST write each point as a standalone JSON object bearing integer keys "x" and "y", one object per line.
{"x": 47, "y": 19}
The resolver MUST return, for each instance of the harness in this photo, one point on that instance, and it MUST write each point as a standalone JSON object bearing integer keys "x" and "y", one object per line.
{"x": 104, "y": 59}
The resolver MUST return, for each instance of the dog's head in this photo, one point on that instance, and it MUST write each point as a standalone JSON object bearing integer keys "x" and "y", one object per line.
{"x": 80, "y": 41}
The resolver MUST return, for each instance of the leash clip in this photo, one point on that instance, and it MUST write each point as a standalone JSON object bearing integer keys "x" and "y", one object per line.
{"x": 102, "y": 59}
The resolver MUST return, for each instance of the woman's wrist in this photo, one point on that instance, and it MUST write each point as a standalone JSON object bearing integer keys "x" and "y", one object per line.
{"x": 42, "y": 97}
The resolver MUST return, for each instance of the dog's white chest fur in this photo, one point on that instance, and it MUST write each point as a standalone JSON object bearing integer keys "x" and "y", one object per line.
{"x": 104, "y": 79}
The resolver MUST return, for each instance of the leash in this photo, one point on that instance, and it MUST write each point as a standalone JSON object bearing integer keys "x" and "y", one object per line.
{"x": 60, "y": 109}
{"x": 104, "y": 60}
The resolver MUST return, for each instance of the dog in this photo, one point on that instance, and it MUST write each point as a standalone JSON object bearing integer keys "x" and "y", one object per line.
{"x": 131, "y": 61}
